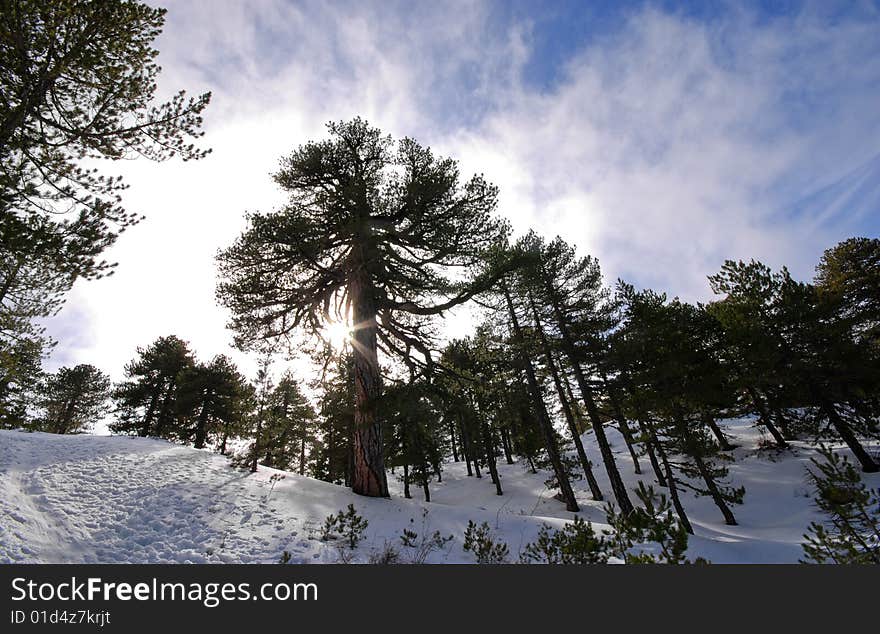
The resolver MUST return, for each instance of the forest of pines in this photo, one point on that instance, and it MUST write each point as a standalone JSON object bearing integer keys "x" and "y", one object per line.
{"x": 383, "y": 239}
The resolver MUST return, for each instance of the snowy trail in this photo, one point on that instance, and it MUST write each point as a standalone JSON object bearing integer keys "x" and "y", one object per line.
{"x": 129, "y": 500}
{"x": 90, "y": 499}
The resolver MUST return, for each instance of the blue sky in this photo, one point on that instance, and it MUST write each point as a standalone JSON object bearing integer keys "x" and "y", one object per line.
{"x": 661, "y": 137}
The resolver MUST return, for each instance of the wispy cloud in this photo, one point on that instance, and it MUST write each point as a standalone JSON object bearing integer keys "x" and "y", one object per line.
{"x": 663, "y": 146}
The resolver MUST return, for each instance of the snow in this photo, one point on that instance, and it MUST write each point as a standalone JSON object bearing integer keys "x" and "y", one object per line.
{"x": 115, "y": 499}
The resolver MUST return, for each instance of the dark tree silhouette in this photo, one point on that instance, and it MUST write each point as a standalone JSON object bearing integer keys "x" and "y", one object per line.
{"x": 379, "y": 234}
{"x": 73, "y": 399}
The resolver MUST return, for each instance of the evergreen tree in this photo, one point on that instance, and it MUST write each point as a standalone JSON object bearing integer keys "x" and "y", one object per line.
{"x": 20, "y": 374}
{"x": 838, "y": 375}
{"x": 852, "y": 535}
{"x": 79, "y": 78}
{"x": 798, "y": 343}
{"x": 414, "y": 422}
{"x": 290, "y": 427}
{"x": 514, "y": 312}
{"x": 673, "y": 364}
{"x": 476, "y": 385}
{"x": 262, "y": 389}
{"x": 369, "y": 236}
{"x": 850, "y": 273}
{"x": 72, "y": 400}
{"x": 335, "y": 421}
{"x": 570, "y": 290}
{"x": 146, "y": 403}
{"x": 750, "y": 319}
{"x": 31, "y": 289}
{"x": 212, "y": 402}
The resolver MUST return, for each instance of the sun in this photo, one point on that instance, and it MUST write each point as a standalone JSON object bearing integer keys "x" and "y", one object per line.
{"x": 337, "y": 334}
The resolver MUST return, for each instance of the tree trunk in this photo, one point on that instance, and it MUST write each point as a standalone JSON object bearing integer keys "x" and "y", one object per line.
{"x": 729, "y": 519}
{"x": 673, "y": 491}
{"x": 368, "y": 477}
{"x": 579, "y": 422}
{"x": 505, "y": 443}
{"x": 586, "y": 465}
{"x": 465, "y": 446}
{"x": 847, "y": 435}
{"x": 422, "y": 463}
{"x": 225, "y": 439}
{"x": 165, "y": 412}
{"x": 617, "y": 485}
{"x": 63, "y": 424}
{"x": 490, "y": 456}
{"x": 425, "y": 478}
{"x": 709, "y": 421}
{"x": 425, "y": 485}
{"x": 452, "y": 438}
{"x": 147, "y": 424}
{"x": 781, "y": 420}
{"x": 257, "y": 434}
{"x": 652, "y": 443}
{"x": 544, "y": 423}
{"x": 622, "y": 423}
{"x": 765, "y": 417}
{"x": 202, "y": 427}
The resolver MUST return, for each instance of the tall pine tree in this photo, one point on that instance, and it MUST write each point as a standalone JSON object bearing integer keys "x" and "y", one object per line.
{"x": 371, "y": 235}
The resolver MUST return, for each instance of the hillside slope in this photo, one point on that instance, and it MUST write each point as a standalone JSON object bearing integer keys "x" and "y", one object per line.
{"x": 109, "y": 499}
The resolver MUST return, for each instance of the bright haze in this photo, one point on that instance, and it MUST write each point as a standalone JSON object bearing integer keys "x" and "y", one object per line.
{"x": 662, "y": 138}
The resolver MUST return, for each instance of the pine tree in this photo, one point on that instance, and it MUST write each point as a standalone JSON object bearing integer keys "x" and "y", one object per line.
{"x": 849, "y": 273}
{"x": 146, "y": 403}
{"x": 671, "y": 360}
{"x": 469, "y": 387}
{"x": 837, "y": 374}
{"x": 749, "y": 316}
{"x": 852, "y": 534}
{"x": 570, "y": 290}
{"x": 31, "y": 289}
{"x": 79, "y": 78}
{"x": 20, "y": 374}
{"x": 413, "y": 421}
{"x": 262, "y": 389}
{"x": 72, "y": 400}
{"x": 545, "y": 425}
{"x": 290, "y": 428}
{"x": 369, "y": 236}
{"x": 212, "y": 402}
{"x": 335, "y": 421}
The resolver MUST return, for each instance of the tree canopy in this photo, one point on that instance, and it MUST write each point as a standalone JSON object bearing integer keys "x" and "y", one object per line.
{"x": 377, "y": 234}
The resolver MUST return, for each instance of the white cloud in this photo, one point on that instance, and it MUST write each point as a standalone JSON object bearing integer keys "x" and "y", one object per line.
{"x": 666, "y": 147}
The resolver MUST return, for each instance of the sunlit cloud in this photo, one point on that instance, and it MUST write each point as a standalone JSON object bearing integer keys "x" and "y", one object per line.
{"x": 663, "y": 145}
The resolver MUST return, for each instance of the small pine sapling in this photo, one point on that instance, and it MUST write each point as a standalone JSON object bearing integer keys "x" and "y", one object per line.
{"x": 348, "y": 525}
{"x": 575, "y": 543}
{"x": 651, "y": 523}
{"x": 579, "y": 543}
{"x": 479, "y": 541}
{"x": 853, "y": 534}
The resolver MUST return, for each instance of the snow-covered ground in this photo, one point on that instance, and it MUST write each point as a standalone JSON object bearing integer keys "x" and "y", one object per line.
{"x": 109, "y": 499}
